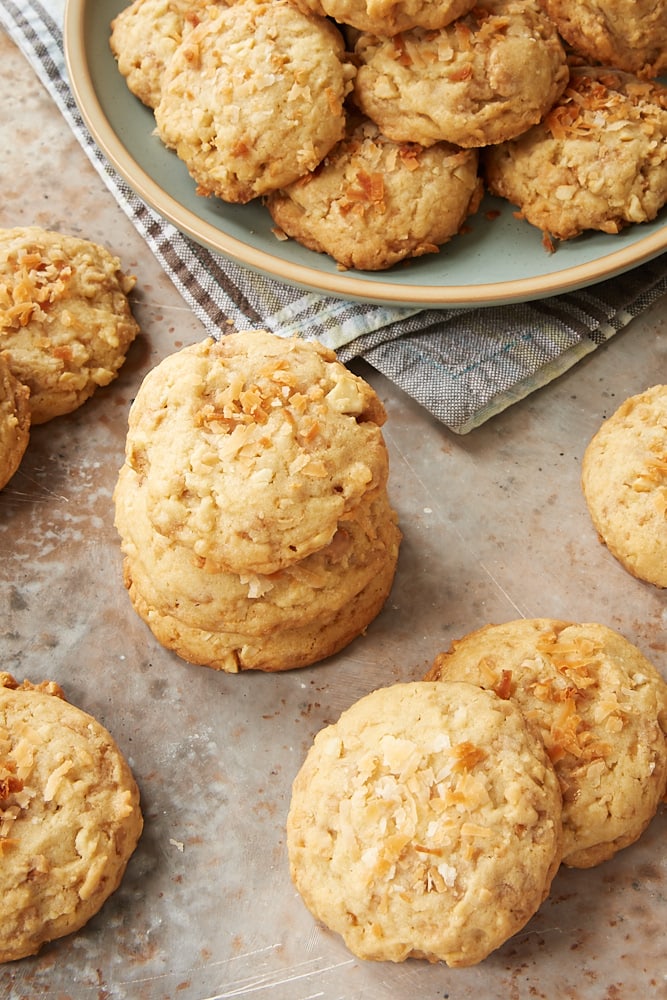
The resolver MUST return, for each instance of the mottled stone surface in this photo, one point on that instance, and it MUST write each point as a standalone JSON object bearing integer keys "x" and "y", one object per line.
{"x": 495, "y": 527}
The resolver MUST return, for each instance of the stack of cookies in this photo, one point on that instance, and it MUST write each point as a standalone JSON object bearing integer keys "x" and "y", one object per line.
{"x": 252, "y": 505}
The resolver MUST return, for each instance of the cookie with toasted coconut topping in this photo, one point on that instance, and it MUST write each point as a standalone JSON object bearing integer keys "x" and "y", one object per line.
{"x": 251, "y": 449}
{"x": 374, "y": 202}
{"x": 601, "y": 709}
{"x": 425, "y": 823}
{"x": 628, "y": 34}
{"x": 598, "y": 161}
{"x": 483, "y": 79}
{"x": 624, "y": 481}
{"x": 253, "y": 97}
{"x": 144, "y": 37}
{"x": 66, "y": 322}
{"x": 388, "y": 17}
{"x": 70, "y": 816}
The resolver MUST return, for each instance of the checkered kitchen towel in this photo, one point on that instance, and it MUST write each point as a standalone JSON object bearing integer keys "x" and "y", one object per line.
{"x": 463, "y": 366}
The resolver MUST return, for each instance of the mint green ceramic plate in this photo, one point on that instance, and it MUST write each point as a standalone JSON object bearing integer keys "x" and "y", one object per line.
{"x": 499, "y": 259}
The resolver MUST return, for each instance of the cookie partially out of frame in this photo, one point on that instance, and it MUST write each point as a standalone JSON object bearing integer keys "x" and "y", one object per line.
{"x": 485, "y": 78}
{"x": 388, "y": 17}
{"x": 624, "y": 480}
{"x": 253, "y": 97}
{"x": 598, "y": 160}
{"x": 65, "y": 319}
{"x": 374, "y": 202}
{"x": 254, "y": 447}
{"x": 599, "y": 705}
{"x": 425, "y": 823}
{"x": 144, "y": 37}
{"x": 14, "y": 422}
{"x": 69, "y": 816}
{"x": 628, "y": 34}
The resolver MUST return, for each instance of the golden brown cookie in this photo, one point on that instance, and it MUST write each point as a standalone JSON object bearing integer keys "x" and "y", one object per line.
{"x": 69, "y": 816}
{"x": 624, "y": 480}
{"x": 374, "y": 202}
{"x": 483, "y": 79}
{"x": 254, "y": 447}
{"x": 144, "y": 37}
{"x": 425, "y": 823}
{"x": 628, "y": 34}
{"x": 599, "y": 706}
{"x": 14, "y": 422}
{"x": 388, "y": 17}
{"x": 598, "y": 160}
{"x": 253, "y": 97}
{"x": 65, "y": 319}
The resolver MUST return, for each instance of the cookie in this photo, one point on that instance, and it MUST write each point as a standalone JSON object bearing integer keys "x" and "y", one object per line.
{"x": 280, "y": 649}
{"x": 599, "y": 706}
{"x": 388, "y": 17}
{"x": 374, "y": 202}
{"x": 69, "y": 816}
{"x": 14, "y": 422}
{"x": 65, "y": 318}
{"x": 177, "y": 583}
{"x": 598, "y": 161}
{"x": 144, "y": 37}
{"x": 425, "y": 823}
{"x": 484, "y": 79}
{"x": 624, "y": 481}
{"x": 628, "y": 34}
{"x": 253, "y": 97}
{"x": 253, "y": 448}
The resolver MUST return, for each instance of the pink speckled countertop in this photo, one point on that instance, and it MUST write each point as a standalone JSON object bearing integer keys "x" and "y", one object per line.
{"x": 495, "y": 527}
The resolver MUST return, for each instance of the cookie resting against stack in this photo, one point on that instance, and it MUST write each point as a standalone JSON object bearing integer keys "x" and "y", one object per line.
{"x": 70, "y": 816}
{"x": 371, "y": 205}
{"x": 144, "y": 37}
{"x": 252, "y": 505}
{"x": 599, "y": 706}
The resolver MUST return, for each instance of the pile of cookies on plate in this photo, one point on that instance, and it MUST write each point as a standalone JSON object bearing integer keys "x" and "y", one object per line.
{"x": 370, "y": 130}
{"x": 65, "y": 328}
